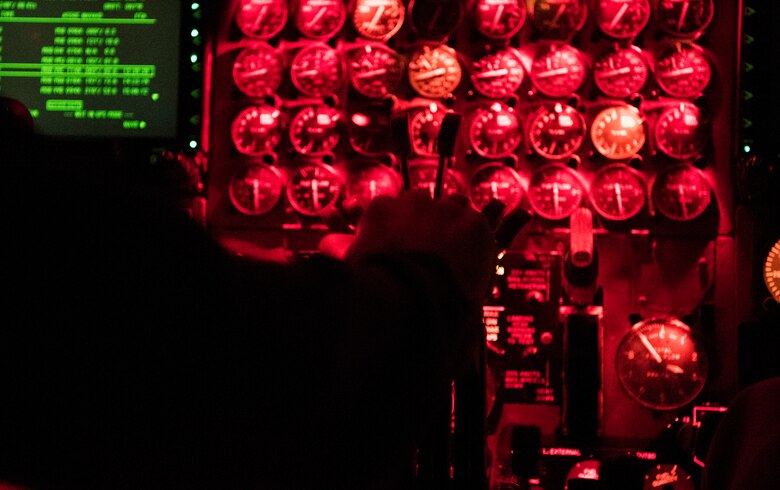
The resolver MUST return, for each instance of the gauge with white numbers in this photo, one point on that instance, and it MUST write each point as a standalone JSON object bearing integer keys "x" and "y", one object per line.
{"x": 681, "y": 193}
{"x": 558, "y": 19}
{"x": 372, "y": 181}
{"x": 255, "y": 189}
{"x": 684, "y": 18}
{"x": 617, "y": 192}
{"x": 556, "y": 133}
{"x": 375, "y": 70}
{"x": 258, "y": 70}
{"x": 683, "y": 71}
{"x": 499, "y": 19}
{"x": 424, "y": 128}
{"x": 620, "y": 72}
{"x": 555, "y": 192}
{"x": 496, "y": 181}
{"x": 320, "y": 19}
{"x": 498, "y": 74}
{"x": 495, "y": 131}
{"x": 261, "y": 19}
{"x": 622, "y": 19}
{"x": 312, "y": 188}
{"x": 378, "y": 19}
{"x": 317, "y": 70}
{"x": 434, "y": 71}
{"x": 772, "y": 271}
{"x": 315, "y": 130}
{"x": 257, "y": 130}
{"x": 618, "y": 132}
{"x": 423, "y": 177}
{"x": 680, "y": 132}
{"x": 558, "y": 71}
{"x": 435, "y": 20}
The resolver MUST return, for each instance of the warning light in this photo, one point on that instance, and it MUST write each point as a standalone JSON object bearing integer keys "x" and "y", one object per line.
{"x": 360, "y": 120}
{"x": 195, "y": 33}
{"x": 193, "y": 144}
{"x": 195, "y": 6}
{"x": 194, "y": 58}
{"x": 747, "y": 149}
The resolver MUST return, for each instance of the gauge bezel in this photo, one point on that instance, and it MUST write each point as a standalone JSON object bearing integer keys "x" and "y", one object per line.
{"x": 503, "y": 168}
{"x": 293, "y": 201}
{"x": 563, "y": 34}
{"x": 444, "y": 52}
{"x": 386, "y": 88}
{"x": 639, "y": 179}
{"x": 679, "y": 49}
{"x": 278, "y": 184}
{"x": 276, "y": 136}
{"x": 444, "y": 35}
{"x": 511, "y": 83}
{"x": 262, "y": 48}
{"x": 621, "y": 52}
{"x": 532, "y": 184}
{"x": 507, "y": 34}
{"x": 354, "y": 178}
{"x": 387, "y": 35}
{"x": 449, "y": 176}
{"x": 276, "y": 30}
{"x": 536, "y": 145}
{"x": 700, "y": 127}
{"x": 644, "y": 4}
{"x": 687, "y": 168}
{"x": 321, "y": 37}
{"x": 295, "y": 125}
{"x": 307, "y": 50}
{"x": 685, "y": 35}
{"x": 570, "y": 88}
{"x": 496, "y": 108}
{"x": 622, "y": 110}
{"x": 772, "y": 267}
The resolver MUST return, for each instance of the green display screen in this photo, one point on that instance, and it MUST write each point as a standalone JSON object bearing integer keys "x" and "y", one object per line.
{"x": 93, "y": 68}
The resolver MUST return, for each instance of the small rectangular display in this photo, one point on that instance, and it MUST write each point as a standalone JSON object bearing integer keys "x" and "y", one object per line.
{"x": 93, "y": 68}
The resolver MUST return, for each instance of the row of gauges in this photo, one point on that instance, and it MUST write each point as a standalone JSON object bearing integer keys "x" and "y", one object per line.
{"x": 495, "y": 19}
{"x": 617, "y": 192}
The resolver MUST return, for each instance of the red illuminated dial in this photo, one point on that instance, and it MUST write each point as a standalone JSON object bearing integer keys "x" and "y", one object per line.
{"x": 312, "y": 188}
{"x": 434, "y": 71}
{"x": 558, "y": 19}
{"x": 684, "y": 18}
{"x": 559, "y": 71}
{"x": 375, "y": 70}
{"x": 495, "y": 131}
{"x": 679, "y": 132}
{"x": 435, "y": 19}
{"x": 556, "y": 133}
{"x": 496, "y": 181}
{"x": 499, "y": 19}
{"x": 257, "y": 70}
{"x": 620, "y": 72}
{"x": 257, "y": 130}
{"x": 681, "y": 193}
{"x": 617, "y": 192}
{"x": 555, "y": 192}
{"x": 423, "y": 177}
{"x": 372, "y": 181}
{"x": 497, "y": 74}
{"x": 368, "y": 130}
{"x": 320, "y": 19}
{"x": 378, "y": 19}
{"x": 261, "y": 19}
{"x": 424, "y": 127}
{"x": 255, "y": 189}
{"x": 618, "y": 132}
{"x": 683, "y": 72}
{"x": 622, "y": 19}
{"x": 315, "y": 130}
{"x": 317, "y": 70}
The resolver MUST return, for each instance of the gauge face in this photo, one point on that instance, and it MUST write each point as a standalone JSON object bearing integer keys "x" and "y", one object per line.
{"x": 257, "y": 70}
{"x": 317, "y": 70}
{"x": 315, "y": 130}
{"x": 375, "y": 70}
{"x": 261, "y": 19}
{"x": 618, "y": 132}
{"x": 772, "y": 271}
{"x": 681, "y": 193}
{"x": 499, "y": 19}
{"x": 312, "y": 188}
{"x": 423, "y": 177}
{"x": 559, "y": 71}
{"x": 495, "y": 131}
{"x": 257, "y": 130}
{"x": 622, "y": 19}
{"x": 255, "y": 189}
{"x": 378, "y": 19}
{"x": 434, "y": 71}
{"x": 559, "y": 19}
{"x": 435, "y": 19}
{"x": 668, "y": 477}
{"x": 556, "y": 133}
{"x": 424, "y": 127}
{"x": 373, "y": 181}
{"x": 320, "y": 19}
{"x": 498, "y": 74}
{"x": 684, "y": 18}
{"x": 555, "y": 192}
{"x": 683, "y": 72}
{"x": 368, "y": 130}
{"x": 660, "y": 364}
{"x": 617, "y": 192}
{"x": 496, "y": 181}
{"x": 679, "y": 132}
{"x": 621, "y": 72}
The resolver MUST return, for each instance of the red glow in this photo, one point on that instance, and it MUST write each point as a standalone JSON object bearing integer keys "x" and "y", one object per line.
{"x": 360, "y": 120}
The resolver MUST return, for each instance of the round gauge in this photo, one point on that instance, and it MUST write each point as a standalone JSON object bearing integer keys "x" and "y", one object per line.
{"x": 372, "y": 181}
{"x": 556, "y": 133}
{"x": 255, "y": 189}
{"x": 257, "y": 70}
{"x": 320, "y": 19}
{"x": 378, "y": 19}
{"x": 559, "y": 71}
{"x": 435, "y": 19}
{"x": 772, "y": 271}
{"x": 555, "y": 191}
{"x": 434, "y": 71}
{"x": 315, "y": 130}
{"x": 684, "y": 18}
{"x": 423, "y": 177}
{"x": 261, "y": 19}
{"x": 497, "y": 74}
{"x": 257, "y": 130}
{"x": 618, "y": 132}
{"x": 424, "y": 127}
{"x": 496, "y": 181}
{"x": 617, "y": 192}
{"x": 499, "y": 19}
{"x": 681, "y": 193}
{"x": 668, "y": 477}
{"x": 368, "y": 130}
{"x": 660, "y": 364}
{"x": 495, "y": 131}
{"x": 312, "y": 188}
{"x": 683, "y": 72}
{"x": 679, "y": 132}
{"x": 558, "y": 19}
{"x": 620, "y": 72}
{"x": 622, "y": 19}
{"x": 375, "y": 70}
{"x": 317, "y": 70}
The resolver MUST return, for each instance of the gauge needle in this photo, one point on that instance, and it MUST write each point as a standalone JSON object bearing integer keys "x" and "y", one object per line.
{"x": 556, "y": 200}
{"x": 254, "y": 73}
{"x": 431, "y": 74}
{"x": 256, "y": 193}
{"x": 678, "y": 73}
{"x": 308, "y": 73}
{"x": 492, "y": 73}
{"x": 650, "y": 348}
{"x": 613, "y": 73}
{"x": 552, "y": 73}
{"x": 496, "y": 18}
{"x": 619, "y": 199}
{"x": 260, "y": 17}
{"x": 315, "y": 194}
{"x": 494, "y": 189}
{"x": 558, "y": 14}
{"x": 618, "y": 16}
{"x": 683, "y": 13}
{"x": 683, "y": 201}
{"x": 372, "y": 188}
{"x": 377, "y": 16}
{"x": 317, "y": 17}
{"x": 673, "y": 368}
{"x": 372, "y": 73}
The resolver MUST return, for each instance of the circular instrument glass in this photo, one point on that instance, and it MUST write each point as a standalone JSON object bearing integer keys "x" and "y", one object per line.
{"x": 434, "y": 71}
{"x": 679, "y": 132}
{"x": 555, "y": 191}
{"x": 496, "y": 181}
{"x": 257, "y": 130}
{"x": 315, "y": 130}
{"x": 559, "y": 19}
{"x": 668, "y": 477}
{"x": 495, "y": 131}
{"x": 622, "y": 19}
{"x": 620, "y": 72}
{"x": 255, "y": 189}
{"x": 317, "y": 70}
{"x": 660, "y": 364}
{"x": 424, "y": 127}
{"x": 559, "y": 71}
{"x": 372, "y": 181}
{"x": 499, "y": 19}
{"x": 497, "y": 74}
{"x": 258, "y": 70}
{"x": 684, "y": 18}
{"x": 423, "y": 177}
{"x": 556, "y": 133}
{"x": 617, "y": 192}
{"x": 683, "y": 72}
{"x": 368, "y": 130}
{"x": 378, "y": 19}
{"x": 375, "y": 70}
{"x": 618, "y": 132}
{"x": 681, "y": 193}
{"x": 261, "y": 19}
{"x": 772, "y": 271}
{"x": 320, "y": 19}
{"x": 435, "y": 19}
{"x": 312, "y": 188}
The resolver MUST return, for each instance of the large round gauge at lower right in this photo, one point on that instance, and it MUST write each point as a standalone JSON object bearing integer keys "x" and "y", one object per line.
{"x": 312, "y": 188}
{"x": 617, "y": 192}
{"x": 681, "y": 193}
{"x": 679, "y": 131}
{"x": 555, "y": 191}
